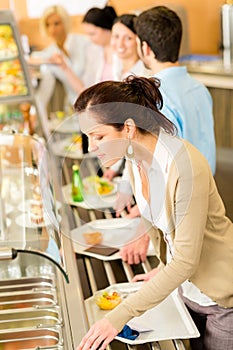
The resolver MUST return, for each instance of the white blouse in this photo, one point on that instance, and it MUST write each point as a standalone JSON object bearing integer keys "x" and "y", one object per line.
{"x": 155, "y": 212}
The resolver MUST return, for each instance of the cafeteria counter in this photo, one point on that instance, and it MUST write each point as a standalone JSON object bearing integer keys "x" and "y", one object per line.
{"x": 218, "y": 78}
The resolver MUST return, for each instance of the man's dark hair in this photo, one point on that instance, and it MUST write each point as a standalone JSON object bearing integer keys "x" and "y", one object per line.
{"x": 161, "y": 29}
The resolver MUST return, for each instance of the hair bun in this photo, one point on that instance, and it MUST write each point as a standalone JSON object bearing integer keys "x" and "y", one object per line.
{"x": 111, "y": 11}
{"x": 140, "y": 84}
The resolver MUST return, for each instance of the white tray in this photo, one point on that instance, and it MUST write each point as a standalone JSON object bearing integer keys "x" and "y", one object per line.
{"x": 90, "y": 202}
{"x": 115, "y": 232}
{"x": 168, "y": 320}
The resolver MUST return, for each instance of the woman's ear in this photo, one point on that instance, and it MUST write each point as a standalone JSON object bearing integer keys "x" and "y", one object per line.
{"x": 130, "y": 128}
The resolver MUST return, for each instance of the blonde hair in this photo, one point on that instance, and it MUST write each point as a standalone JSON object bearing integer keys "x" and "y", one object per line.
{"x": 55, "y": 9}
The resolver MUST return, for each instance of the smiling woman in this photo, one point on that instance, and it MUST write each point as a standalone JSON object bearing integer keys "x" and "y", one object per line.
{"x": 124, "y": 44}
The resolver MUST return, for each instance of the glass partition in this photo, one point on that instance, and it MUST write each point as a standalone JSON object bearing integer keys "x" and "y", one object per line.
{"x": 29, "y": 219}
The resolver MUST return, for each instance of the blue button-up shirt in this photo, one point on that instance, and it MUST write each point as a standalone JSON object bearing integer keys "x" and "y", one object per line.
{"x": 188, "y": 104}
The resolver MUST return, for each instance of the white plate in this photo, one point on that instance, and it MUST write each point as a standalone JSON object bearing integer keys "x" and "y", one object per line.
{"x": 25, "y": 206}
{"x": 25, "y": 221}
{"x": 115, "y": 233}
{"x": 90, "y": 201}
{"x": 168, "y": 320}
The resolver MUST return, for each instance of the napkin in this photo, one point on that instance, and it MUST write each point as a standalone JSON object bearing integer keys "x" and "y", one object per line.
{"x": 128, "y": 333}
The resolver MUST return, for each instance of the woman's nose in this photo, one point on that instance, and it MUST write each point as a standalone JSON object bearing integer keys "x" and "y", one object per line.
{"x": 92, "y": 147}
{"x": 120, "y": 43}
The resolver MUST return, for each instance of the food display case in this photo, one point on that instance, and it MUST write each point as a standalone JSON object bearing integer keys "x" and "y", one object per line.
{"x": 16, "y": 91}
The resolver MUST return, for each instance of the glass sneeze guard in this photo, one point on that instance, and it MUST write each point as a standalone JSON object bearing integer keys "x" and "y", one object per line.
{"x": 29, "y": 220}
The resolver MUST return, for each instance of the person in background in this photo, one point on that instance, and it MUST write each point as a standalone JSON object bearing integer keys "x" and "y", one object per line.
{"x": 67, "y": 49}
{"x": 97, "y": 24}
{"x": 124, "y": 44}
{"x": 176, "y": 194}
{"x": 127, "y": 62}
{"x": 186, "y": 102}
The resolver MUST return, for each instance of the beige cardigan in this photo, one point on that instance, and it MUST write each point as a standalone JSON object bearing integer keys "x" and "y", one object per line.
{"x": 203, "y": 240}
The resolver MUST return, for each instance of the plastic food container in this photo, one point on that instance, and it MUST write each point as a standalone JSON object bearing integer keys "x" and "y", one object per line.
{"x": 107, "y": 300}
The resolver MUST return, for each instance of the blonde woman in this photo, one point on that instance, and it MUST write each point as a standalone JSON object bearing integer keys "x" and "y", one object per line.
{"x": 67, "y": 54}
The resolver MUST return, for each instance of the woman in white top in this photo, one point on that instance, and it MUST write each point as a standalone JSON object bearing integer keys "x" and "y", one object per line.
{"x": 124, "y": 44}
{"x": 71, "y": 49}
{"x": 97, "y": 24}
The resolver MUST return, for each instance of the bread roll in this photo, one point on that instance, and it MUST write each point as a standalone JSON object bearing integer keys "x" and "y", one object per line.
{"x": 93, "y": 238}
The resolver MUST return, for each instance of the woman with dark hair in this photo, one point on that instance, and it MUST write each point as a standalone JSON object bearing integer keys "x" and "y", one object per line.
{"x": 124, "y": 44}
{"x": 176, "y": 195}
{"x": 97, "y": 24}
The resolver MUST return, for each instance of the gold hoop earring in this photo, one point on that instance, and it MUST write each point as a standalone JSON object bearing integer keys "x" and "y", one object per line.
{"x": 130, "y": 150}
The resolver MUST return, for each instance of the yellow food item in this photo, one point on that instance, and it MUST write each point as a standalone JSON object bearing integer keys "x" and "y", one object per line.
{"x": 98, "y": 184}
{"x": 93, "y": 238}
{"x": 76, "y": 138}
{"x": 108, "y": 300}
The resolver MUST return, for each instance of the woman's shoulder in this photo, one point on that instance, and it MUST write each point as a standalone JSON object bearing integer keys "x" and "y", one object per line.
{"x": 77, "y": 38}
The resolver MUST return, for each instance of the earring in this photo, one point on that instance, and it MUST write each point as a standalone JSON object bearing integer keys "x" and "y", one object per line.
{"x": 130, "y": 151}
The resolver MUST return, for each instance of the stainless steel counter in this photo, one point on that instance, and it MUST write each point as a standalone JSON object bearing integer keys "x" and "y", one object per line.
{"x": 218, "y": 78}
{"x": 212, "y": 74}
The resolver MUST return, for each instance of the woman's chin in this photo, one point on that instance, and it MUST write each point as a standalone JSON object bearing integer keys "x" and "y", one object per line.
{"x": 109, "y": 163}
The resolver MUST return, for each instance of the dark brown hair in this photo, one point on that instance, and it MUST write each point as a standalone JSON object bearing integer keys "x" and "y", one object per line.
{"x": 127, "y": 20}
{"x": 102, "y": 18}
{"x": 161, "y": 29}
{"x": 113, "y": 102}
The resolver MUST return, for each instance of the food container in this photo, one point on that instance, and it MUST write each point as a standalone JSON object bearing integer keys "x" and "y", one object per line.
{"x": 29, "y": 338}
{"x": 107, "y": 300}
{"x": 30, "y": 318}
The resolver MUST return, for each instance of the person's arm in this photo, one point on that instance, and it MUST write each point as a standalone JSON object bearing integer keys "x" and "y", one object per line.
{"x": 124, "y": 193}
{"x": 111, "y": 172}
{"x": 75, "y": 82}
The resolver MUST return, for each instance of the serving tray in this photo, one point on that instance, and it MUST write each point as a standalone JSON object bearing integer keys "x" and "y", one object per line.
{"x": 166, "y": 321}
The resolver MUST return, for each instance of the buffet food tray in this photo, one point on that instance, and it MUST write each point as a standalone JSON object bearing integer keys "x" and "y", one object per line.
{"x": 168, "y": 320}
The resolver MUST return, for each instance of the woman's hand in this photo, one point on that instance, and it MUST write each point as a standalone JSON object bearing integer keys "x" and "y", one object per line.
{"x": 133, "y": 212}
{"x": 135, "y": 252}
{"x": 146, "y": 276}
{"x": 102, "y": 332}
{"x": 123, "y": 200}
{"x": 109, "y": 174}
{"x": 59, "y": 60}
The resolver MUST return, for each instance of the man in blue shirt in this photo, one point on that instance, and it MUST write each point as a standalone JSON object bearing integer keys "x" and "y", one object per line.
{"x": 186, "y": 101}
